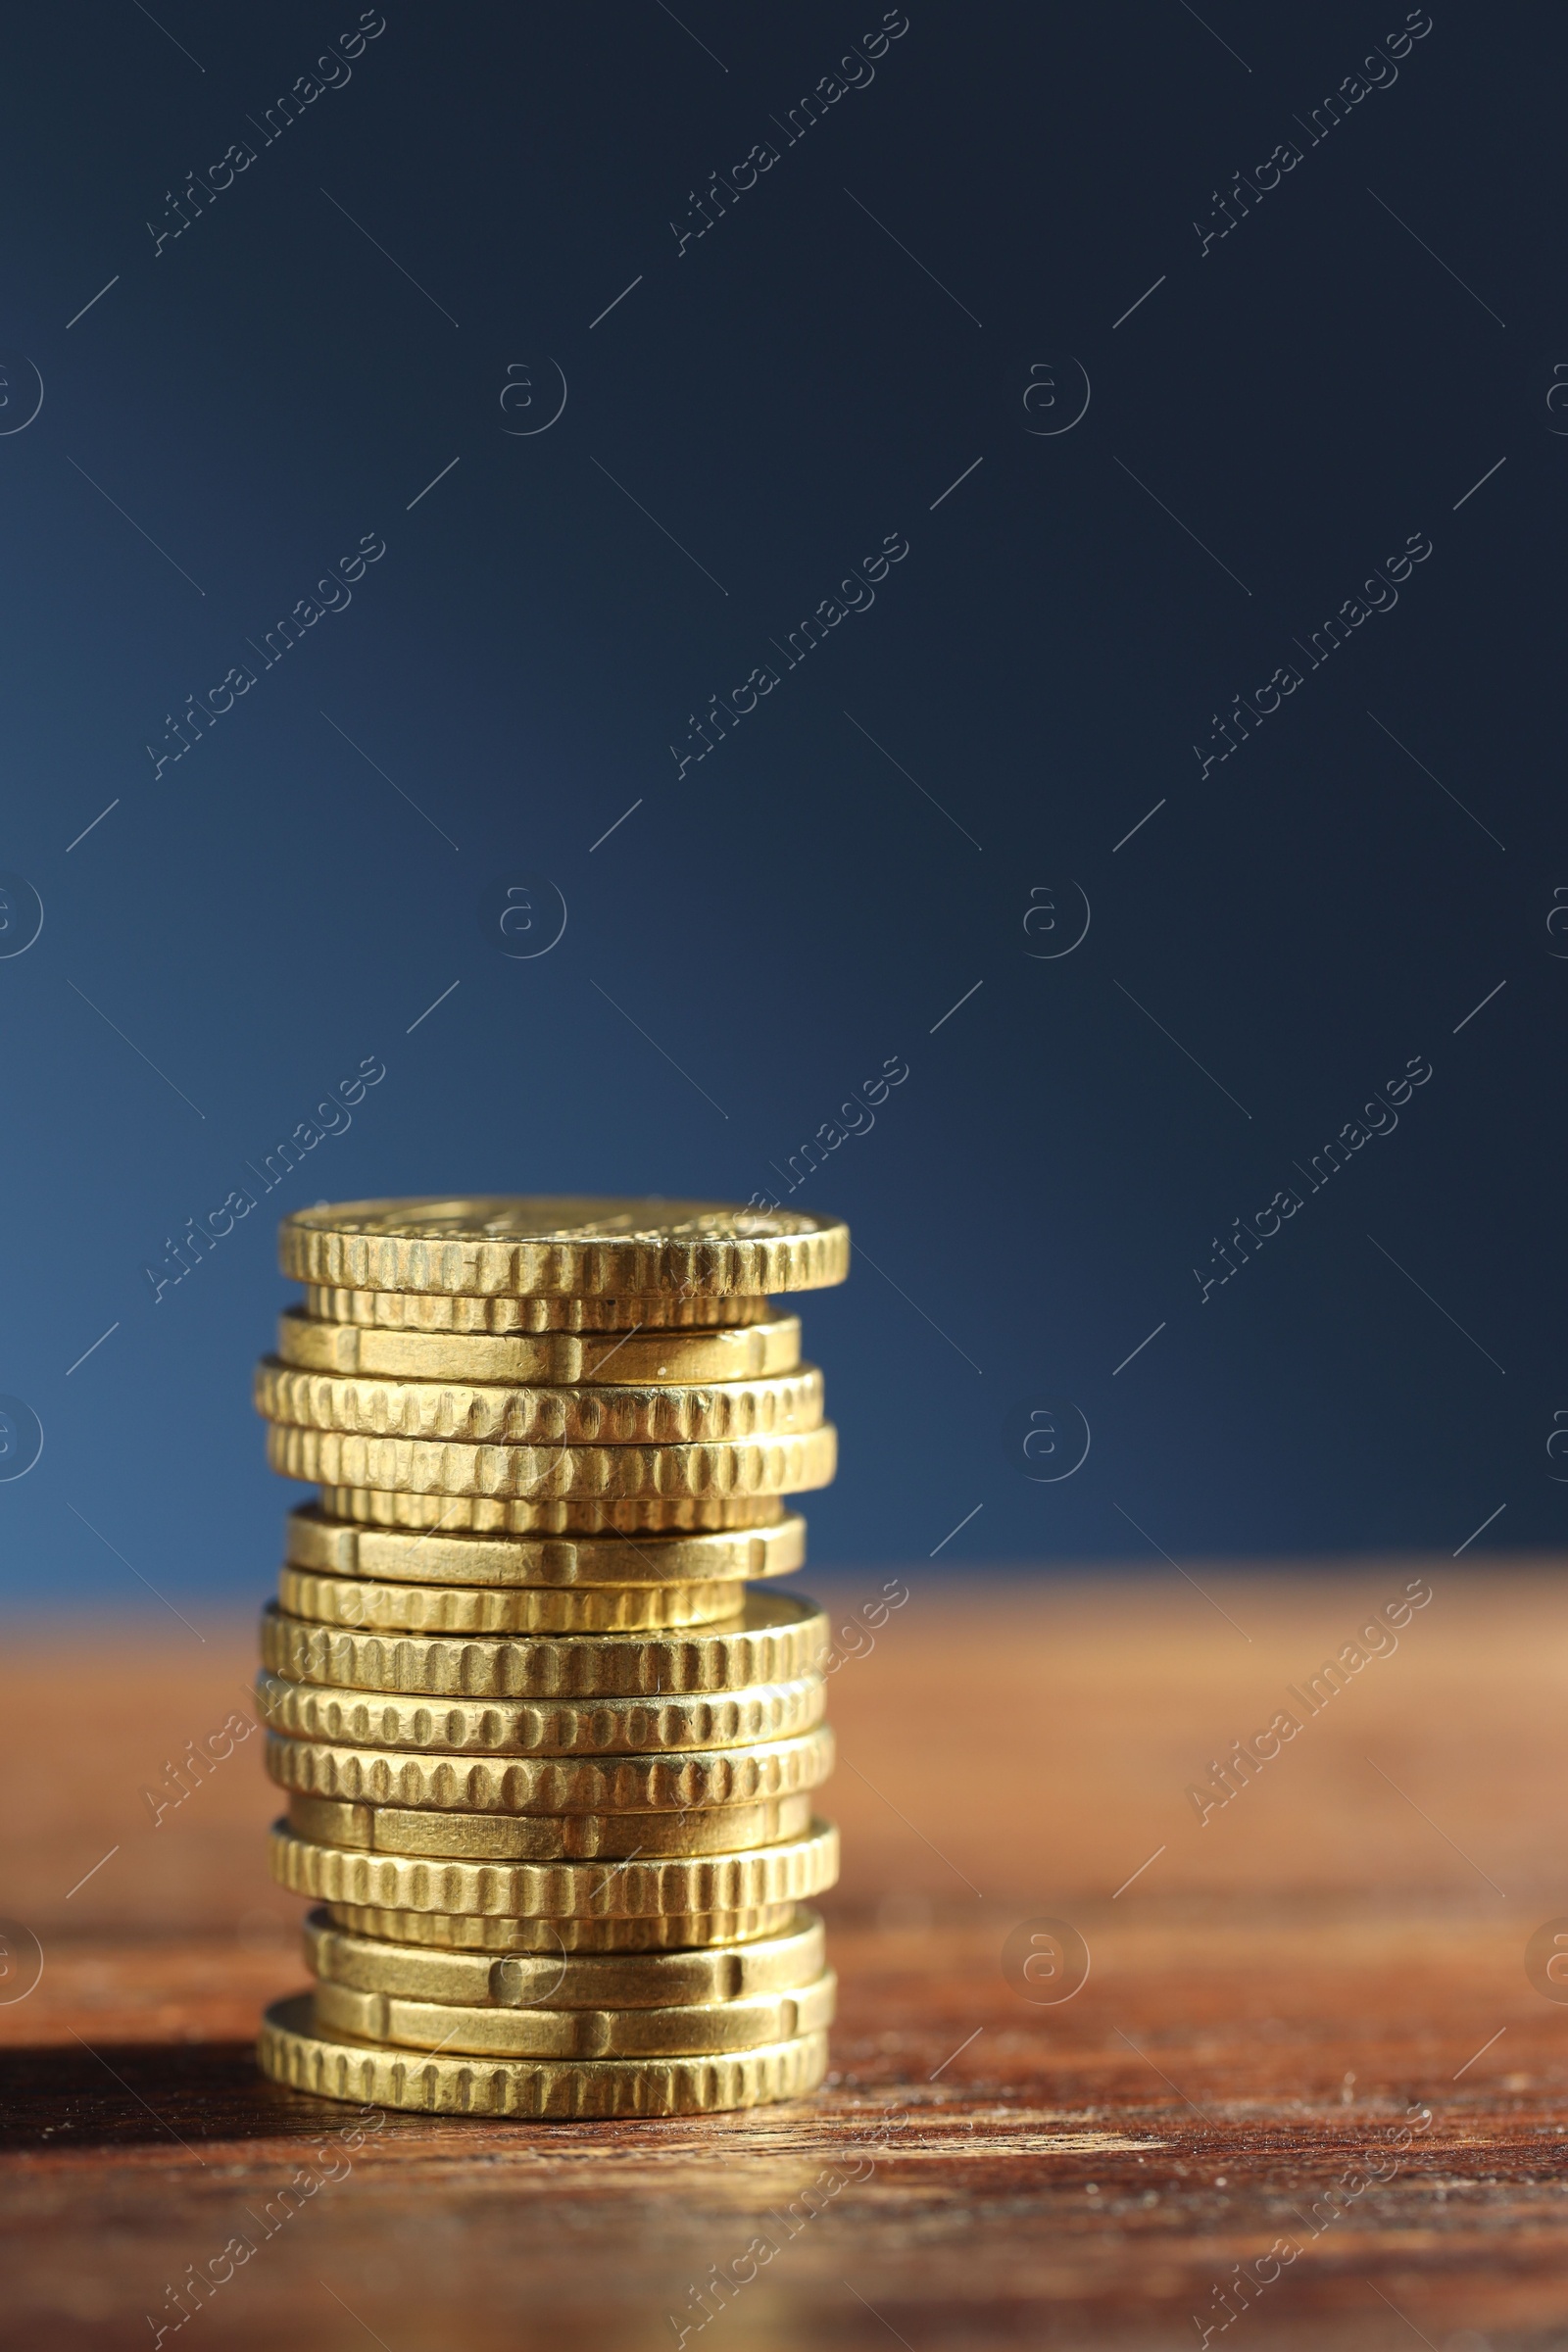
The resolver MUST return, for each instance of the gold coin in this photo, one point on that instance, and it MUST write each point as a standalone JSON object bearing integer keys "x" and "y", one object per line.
{"x": 551, "y": 1979}
{"x": 644, "y": 1887}
{"x": 673, "y": 1783}
{"x": 563, "y": 1247}
{"x": 749, "y": 2023}
{"x": 542, "y": 1727}
{"x": 580, "y": 1515}
{"x": 775, "y": 1638}
{"x": 556, "y": 1359}
{"x": 340, "y": 1547}
{"x": 546, "y": 1837}
{"x": 294, "y": 2051}
{"x": 510, "y": 1609}
{"x": 675, "y": 1933}
{"x": 598, "y": 1413}
{"x": 499, "y": 1317}
{"x": 749, "y": 1468}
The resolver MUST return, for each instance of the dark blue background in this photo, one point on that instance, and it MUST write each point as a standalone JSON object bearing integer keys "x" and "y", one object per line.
{"x": 781, "y": 395}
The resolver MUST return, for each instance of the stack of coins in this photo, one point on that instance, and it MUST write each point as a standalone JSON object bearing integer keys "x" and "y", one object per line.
{"x": 550, "y": 1760}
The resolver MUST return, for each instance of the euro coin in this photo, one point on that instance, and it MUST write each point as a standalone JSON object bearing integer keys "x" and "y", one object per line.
{"x": 556, "y": 1359}
{"x": 500, "y": 1318}
{"x": 675, "y": 1784}
{"x": 545, "y": 1836}
{"x": 510, "y": 1609}
{"x": 777, "y": 1636}
{"x": 667, "y": 1724}
{"x": 637, "y": 1888}
{"x": 295, "y": 2051}
{"x": 749, "y": 2023}
{"x": 341, "y": 1548}
{"x": 571, "y": 1247}
{"x": 596, "y": 1413}
{"x": 553, "y": 1979}
{"x": 578, "y": 1515}
{"x": 746, "y": 1469}
{"x": 670, "y": 1933}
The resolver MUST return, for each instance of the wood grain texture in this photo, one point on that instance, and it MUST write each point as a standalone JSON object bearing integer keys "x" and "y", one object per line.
{"x": 1269, "y": 2000}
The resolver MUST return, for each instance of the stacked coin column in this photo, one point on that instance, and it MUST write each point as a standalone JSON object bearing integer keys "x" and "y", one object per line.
{"x": 550, "y": 1763}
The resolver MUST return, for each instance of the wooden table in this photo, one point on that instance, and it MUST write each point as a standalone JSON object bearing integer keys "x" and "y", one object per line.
{"x": 1307, "y": 2024}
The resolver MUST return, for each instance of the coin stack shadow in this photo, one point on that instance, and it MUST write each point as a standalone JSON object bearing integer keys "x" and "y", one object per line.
{"x": 549, "y": 1759}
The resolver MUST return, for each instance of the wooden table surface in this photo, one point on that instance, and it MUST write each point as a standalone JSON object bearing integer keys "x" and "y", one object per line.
{"x": 1307, "y": 2024}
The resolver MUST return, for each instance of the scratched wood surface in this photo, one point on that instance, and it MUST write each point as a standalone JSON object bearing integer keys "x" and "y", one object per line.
{"x": 1307, "y": 2054}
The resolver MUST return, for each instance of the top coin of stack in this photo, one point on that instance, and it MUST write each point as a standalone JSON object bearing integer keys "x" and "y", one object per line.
{"x": 514, "y": 1643}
